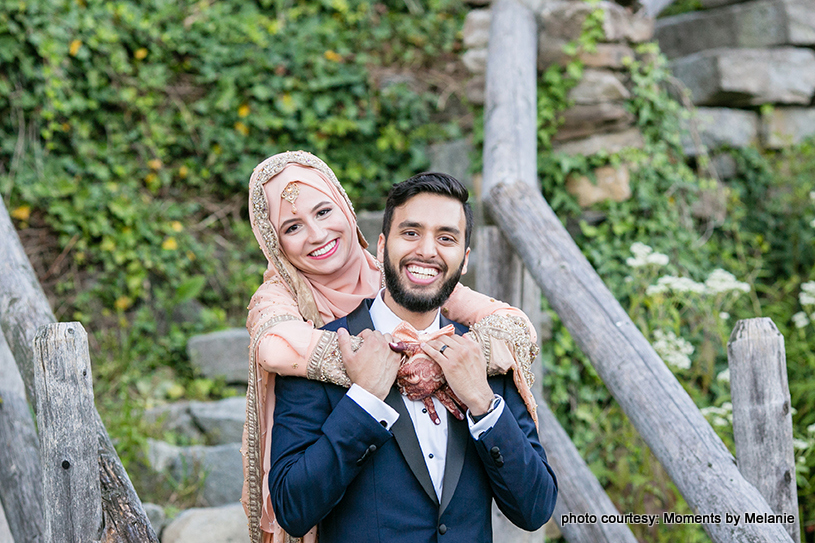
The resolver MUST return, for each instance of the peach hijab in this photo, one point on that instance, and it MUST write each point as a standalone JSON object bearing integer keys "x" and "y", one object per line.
{"x": 319, "y": 299}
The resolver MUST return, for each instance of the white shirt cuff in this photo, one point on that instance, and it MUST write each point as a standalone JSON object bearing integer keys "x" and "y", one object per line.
{"x": 382, "y": 412}
{"x": 478, "y": 428}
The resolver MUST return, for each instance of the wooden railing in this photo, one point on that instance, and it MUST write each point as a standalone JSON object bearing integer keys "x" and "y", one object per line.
{"x": 652, "y": 398}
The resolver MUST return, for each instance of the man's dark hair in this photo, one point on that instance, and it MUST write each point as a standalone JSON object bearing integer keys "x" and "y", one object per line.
{"x": 428, "y": 182}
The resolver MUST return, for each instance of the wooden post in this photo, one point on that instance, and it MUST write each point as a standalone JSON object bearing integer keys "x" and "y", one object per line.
{"x": 662, "y": 412}
{"x": 65, "y": 412}
{"x": 23, "y": 309}
{"x": 579, "y": 491}
{"x": 20, "y": 475}
{"x": 762, "y": 419}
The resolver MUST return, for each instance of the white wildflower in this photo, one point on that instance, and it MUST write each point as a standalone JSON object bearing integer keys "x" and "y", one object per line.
{"x": 724, "y": 376}
{"x": 806, "y": 299}
{"x": 812, "y": 224}
{"x": 724, "y": 315}
{"x": 659, "y": 288}
{"x": 808, "y": 287}
{"x": 811, "y": 429}
{"x": 657, "y": 259}
{"x": 799, "y": 444}
{"x": 642, "y": 252}
{"x": 800, "y": 319}
{"x": 719, "y": 416}
{"x": 675, "y": 351}
{"x": 720, "y": 281}
{"x": 812, "y": 195}
{"x": 677, "y": 284}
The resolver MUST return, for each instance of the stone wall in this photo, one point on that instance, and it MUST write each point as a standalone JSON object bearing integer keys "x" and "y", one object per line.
{"x": 739, "y": 56}
{"x": 735, "y": 57}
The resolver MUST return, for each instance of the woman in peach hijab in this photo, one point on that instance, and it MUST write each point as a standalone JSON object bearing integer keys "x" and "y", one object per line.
{"x": 302, "y": 291}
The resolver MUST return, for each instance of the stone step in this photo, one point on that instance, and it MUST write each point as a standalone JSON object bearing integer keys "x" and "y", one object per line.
{"x": 216, "y": 422}
{"x": 761, "y": 23}
{"x": 225, "y": 524}
{"x": 786, "y": 126}
{"x": 220, "y": 465}
{"x": 721, "y": 127}
{"x": 748, "y": 77}
{"x": 564, "y": 20}
{"x": 221, "y": 354}
{"x": 613, "y": 142}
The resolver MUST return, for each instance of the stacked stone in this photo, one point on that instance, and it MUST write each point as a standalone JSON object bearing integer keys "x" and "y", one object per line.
{"x": 597, "y": 120}
{"x": 740, "y": 55}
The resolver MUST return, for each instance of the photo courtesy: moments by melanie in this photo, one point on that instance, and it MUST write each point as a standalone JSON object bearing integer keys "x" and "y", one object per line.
{"x": 669, "y": 517}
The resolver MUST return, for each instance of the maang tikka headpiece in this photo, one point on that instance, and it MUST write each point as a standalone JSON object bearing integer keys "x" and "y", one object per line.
{"x": 290, "y": 194}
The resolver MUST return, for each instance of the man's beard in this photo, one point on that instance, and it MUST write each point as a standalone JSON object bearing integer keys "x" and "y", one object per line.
{"x": 418, "y": 302}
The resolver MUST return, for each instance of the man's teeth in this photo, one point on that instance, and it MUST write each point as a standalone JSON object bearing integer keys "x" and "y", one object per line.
{"x": 324, "y": 250}
{"x": 423, "y": 272}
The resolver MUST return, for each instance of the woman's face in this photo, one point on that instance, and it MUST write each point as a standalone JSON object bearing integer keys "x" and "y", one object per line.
{"x": 317, "y": 239}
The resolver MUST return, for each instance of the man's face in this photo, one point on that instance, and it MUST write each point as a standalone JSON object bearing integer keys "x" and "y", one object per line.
{"x": 425, "y": 253}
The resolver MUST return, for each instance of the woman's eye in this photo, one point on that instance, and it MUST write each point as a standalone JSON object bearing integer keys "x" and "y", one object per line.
{"x": 324, "y": 212}
{"x": 291, "y": 229}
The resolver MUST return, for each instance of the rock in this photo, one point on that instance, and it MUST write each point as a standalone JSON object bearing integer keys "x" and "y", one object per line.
{"x": 721, "y": 127}
{"x": 725, "y": 165}
{"x": 762, "y": 23}
{"x": 598, "y": 86}
{"x": 175, "y": 417}
{"x": 584, "y": 120}
{"x": 221, "y": 421}
{"x": 712, "y": 203}
{"x": 453, "y": 158}
{"x": 475, "y": 60}
{"x": 219, "y": 465}
{"x": 156, "y": 515}
{"x": 607, "y": 55}
{"x": 476, "y": 32}
{"x": 5, "y": 531}
{"x": 564, "y": 20}
{"x": 748, "y": 77}
{"x": 710, "y": 4}
{"x": 784, "y": 126}
{"x": 611, "y": 184}
{"x": 225, "y": 524}
{"x": 221, "y": 354}
{"x": 610, "y": 143}
{"x": 475, "y": 89}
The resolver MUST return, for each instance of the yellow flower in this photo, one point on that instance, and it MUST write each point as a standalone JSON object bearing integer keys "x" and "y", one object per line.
{"x": 332, "y": 56}
{"x": 151, "y": 180}
{"x": 183, "y": 171}
{"x": 155, "y": 164}
{"x": 243, "y": 111}
{"x": 66, "y": 127}
{"x": 170, "y": 244}
{"x": 140, "y": 54}
{"x": 75, "y": 45}
{"x": 176, "y": 226}
{"x": 122, "y": 303}
{"x": 190, "y": 255}
{"x": 242, "y": 128}
{"x": 22, "y": 213}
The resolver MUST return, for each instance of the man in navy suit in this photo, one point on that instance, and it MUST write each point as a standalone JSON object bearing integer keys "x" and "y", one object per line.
{"x": 367, "y": 464}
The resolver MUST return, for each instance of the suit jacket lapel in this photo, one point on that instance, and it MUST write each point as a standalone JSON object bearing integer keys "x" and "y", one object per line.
{"x": 404, "y": 433}
{"x": 405, "y": 436}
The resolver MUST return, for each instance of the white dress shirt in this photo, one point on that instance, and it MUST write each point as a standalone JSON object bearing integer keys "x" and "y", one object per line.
{"x": 432, "y": 437}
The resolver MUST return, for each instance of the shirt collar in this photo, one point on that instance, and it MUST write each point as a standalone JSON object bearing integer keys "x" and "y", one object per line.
{"x": 386, "y": 321}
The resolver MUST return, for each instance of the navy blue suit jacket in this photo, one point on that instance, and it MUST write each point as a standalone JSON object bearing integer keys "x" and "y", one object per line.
{"x": 334, "y": 466}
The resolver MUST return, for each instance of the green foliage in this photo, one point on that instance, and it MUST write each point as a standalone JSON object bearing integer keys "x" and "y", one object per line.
{"x": 659, "y": 254}
{"x": 128, "y": 132}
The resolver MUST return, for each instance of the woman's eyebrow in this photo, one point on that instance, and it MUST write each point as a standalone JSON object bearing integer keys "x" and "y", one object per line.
{"x": 295, "y": 219}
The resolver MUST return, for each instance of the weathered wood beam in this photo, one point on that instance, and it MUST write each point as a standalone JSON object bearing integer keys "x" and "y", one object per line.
{"x": 700, "y": 465}
{"x": 579, "y": 491}
{"x": 23, "y": 309}
{"x": 511, "y": 107}
{"x": 762, "y": 418}
{"x": 65, "y": 411}
{"x": 20, "y": 474}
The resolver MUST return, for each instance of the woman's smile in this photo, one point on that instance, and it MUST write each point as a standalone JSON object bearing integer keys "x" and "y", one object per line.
{"x": 325, "y": 251}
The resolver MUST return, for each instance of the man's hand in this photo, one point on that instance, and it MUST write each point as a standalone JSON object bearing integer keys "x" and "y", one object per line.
{"x": 374, "y": 365}
{"x": 465, "y": 369}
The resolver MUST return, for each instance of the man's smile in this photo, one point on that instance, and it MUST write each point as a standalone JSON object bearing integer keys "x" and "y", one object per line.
{"x": 422, "y": 274}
